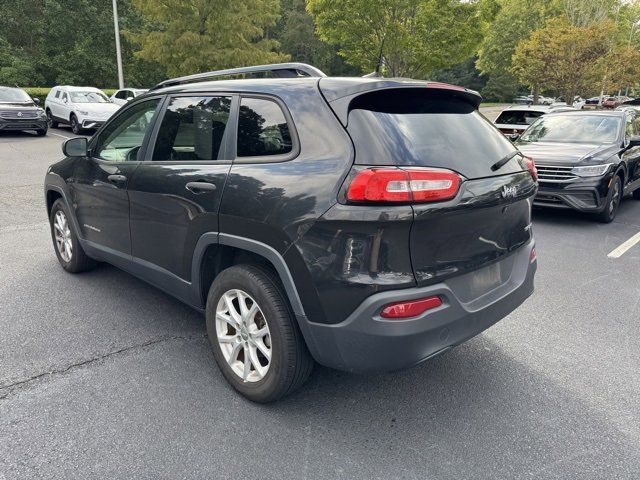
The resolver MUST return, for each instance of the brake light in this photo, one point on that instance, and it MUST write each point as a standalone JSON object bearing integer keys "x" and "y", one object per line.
{"x": 531, "y": 166}
{"x": 403, "y": 185}
{"x": 533, "y": 255}
{"x": 411, "y": 308}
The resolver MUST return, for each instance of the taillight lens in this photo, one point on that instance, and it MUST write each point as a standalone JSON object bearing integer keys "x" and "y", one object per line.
{"x": 533, "y": 255}
{"x": 403, "y": 185}
{"x": 531, "y": 166}
{"x": 411, "y": 308}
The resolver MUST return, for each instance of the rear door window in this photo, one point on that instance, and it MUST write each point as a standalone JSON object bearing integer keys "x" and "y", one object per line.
{"x": 410, "y": 127}
{"x": 262, "y": 129}
{"x": 193, "y": 129}
{"x": 518, "y": 117}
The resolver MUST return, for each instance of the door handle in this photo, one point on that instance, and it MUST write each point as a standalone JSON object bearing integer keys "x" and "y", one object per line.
{"x": 117, "y": 178}
{"x": 200, "y": 187}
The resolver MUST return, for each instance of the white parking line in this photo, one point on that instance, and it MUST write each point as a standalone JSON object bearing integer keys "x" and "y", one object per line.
{"x": 622, "y": 249}
{"x": 57, "y": 135}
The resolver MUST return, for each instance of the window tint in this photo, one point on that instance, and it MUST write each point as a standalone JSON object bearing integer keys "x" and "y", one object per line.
{"x": 121, "y": 94}
{"x": 262, "y": 129}
{"x": 121, "y": 140}
{"x": 518, "y": 117}
{"x": 57, "y": 93}
{"x": 64, "y": 96}
{"x": 192, "y": 129}
{"x": 425, "y": 129}
{"x": 574, "y": 129}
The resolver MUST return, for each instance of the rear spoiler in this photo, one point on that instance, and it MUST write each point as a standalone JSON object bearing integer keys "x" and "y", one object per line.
{"x": 339, "y": 92}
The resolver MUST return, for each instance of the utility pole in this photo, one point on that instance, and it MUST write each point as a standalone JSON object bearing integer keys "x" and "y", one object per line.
{"x": 118, "y": 51}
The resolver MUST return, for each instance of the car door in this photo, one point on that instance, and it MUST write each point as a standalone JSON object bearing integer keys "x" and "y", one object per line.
{"x": 64, "y": 108}
{"x": 632, "y": 155}
{"x": 99, "y": 184}
{"x": 56, "y": 104}
{"x": 175, "y": 193}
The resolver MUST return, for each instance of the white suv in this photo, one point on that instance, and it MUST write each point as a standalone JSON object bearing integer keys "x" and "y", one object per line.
{"x": 121, "y": 97}
{"x": 79, "y": 107}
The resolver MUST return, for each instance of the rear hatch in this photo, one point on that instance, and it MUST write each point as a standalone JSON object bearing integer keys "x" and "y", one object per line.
{"x": 484, "y": 218}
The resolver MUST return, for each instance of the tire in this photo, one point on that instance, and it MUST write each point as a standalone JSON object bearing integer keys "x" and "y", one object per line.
{"x": 75, "y": 126}
{"x": 613, "y": 201}
{"x": 636, "y": 194}
{"x": 289, "y": 364}
{"x": 73, "y": 260}
{"x": 52, "y": 122}
{"x": 42, "y": 132}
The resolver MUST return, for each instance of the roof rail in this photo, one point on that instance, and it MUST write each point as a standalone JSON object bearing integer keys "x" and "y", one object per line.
{"x": 283, "y": 70}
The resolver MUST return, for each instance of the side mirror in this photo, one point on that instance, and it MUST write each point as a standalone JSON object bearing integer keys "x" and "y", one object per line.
{"x": 36, "y": 100}
{"x": 634, "y": 141}
{"x": 75, "y": 147}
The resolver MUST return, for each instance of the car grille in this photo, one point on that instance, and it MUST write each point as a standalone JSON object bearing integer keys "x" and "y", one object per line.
{"x": 552, "y": 173}
{"x": 18, "y": 114}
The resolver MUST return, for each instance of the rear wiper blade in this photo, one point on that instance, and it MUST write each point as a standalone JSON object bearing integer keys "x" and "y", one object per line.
{"x": 504, "y": 160}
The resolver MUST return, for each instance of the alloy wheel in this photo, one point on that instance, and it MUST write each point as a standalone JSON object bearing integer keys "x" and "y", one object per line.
{"x": 62, "y": 234}
{"x": 243, "y": 335}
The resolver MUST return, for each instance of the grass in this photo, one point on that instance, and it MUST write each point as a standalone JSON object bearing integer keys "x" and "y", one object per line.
{"x": 492, "y": 104}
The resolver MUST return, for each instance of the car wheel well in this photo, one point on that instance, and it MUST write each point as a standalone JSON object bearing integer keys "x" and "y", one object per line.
{"x": 622, "y": 174}
{"x": 217, "y": 258}
{"x": 52, "y": 196}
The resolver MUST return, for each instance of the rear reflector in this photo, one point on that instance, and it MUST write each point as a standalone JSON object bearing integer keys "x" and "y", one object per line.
{"x": 403, "y": 185}
{"x": 411, "y": 308}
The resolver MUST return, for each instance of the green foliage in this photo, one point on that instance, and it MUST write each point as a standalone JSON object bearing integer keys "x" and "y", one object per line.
{"x": 563, "y": 57}
{"x": 405, "y": 37}
{"x": 189, "y": 36}
{"x": 464, "y": 74}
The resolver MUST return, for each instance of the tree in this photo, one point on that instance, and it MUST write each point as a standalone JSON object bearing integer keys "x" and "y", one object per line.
{"x": 562, "y": 57}
{"x": 297, "y": 38}
{"x": 190, "y": 36}
{"x": 398, "y": 37}
{"x": 507, "y": 22}
{"x": 622, "y": 67}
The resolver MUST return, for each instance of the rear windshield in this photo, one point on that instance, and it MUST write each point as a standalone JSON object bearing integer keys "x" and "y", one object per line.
{"x": 410, "y": 127}
{"x": 518, "y": 117}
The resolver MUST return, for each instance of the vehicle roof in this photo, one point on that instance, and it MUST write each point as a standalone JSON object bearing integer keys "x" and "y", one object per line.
{"x": 71, "y": 88}
{"x": 333, "y": 88}
{"x": 590, "y": 113}
{"x": 528, "y": 108}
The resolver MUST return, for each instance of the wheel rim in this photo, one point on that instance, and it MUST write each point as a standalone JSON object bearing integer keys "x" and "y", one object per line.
{"x": 243, "y": 335}
{"x": 74, "y": 125}
{"x": 615, "y": 198}
{"x": 49, "y": 118}
{"x": 62, "y": 235}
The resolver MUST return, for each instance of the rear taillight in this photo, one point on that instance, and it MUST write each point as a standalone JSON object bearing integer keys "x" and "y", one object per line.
{"x": 411, "y": 308}
{"x": 403, "y": 185}
{"x": 531, "y": 166}
{"x": 533, "y": 255}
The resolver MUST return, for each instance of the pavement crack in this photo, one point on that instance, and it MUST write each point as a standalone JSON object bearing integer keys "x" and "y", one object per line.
{"x": 10, "y": 388}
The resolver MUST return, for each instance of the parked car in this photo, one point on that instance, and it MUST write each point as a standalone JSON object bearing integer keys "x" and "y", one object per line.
{"x": 523, "y": 100}
{"x": 18, "y": 111}
{"x": 120, "y": 97}
{"x": 610, "y": 102}
{"x": 277, "y": 206}
{"x": 82, "y": 108}
{"x": 586, "y": 161}
{"x": 514, "y": 120}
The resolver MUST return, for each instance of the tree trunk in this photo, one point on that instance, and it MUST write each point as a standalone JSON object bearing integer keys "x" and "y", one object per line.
{"x": 536, "y": 94}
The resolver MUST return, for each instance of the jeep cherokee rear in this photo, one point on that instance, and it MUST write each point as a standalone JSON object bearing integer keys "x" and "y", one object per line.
{"x": 366, "y": 224}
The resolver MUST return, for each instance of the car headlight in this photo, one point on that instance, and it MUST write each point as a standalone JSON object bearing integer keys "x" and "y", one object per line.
{"x": 82, "y": 112}
{"x": 591, "y": 170}
{"x": 41, "y": 113}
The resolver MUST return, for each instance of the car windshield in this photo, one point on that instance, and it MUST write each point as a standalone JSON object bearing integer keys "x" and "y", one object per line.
{"x": 88, "y": 97}
{"x": 573, "y": 129}
{"x": 13, "y": 95}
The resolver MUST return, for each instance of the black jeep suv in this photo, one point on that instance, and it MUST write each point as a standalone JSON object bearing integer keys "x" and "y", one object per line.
{"x": 367, "y": 224}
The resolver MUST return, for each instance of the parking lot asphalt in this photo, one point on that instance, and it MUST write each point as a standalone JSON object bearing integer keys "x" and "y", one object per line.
{"x": 103, "y": 376}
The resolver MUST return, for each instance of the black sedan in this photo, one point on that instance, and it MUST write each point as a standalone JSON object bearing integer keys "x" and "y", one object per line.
{"x": 586, "y": 161}
{"x": 18, "y": 111}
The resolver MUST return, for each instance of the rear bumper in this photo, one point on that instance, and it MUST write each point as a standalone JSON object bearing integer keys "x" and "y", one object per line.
{"x": 365, "y": 342}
